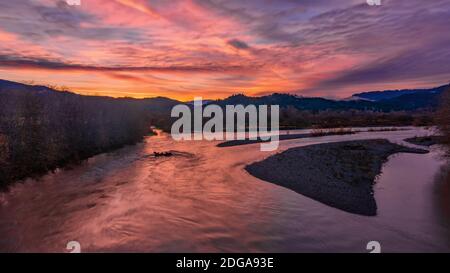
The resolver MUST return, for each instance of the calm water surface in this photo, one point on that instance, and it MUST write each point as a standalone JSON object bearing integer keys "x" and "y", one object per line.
{"x": 203, "y": 200}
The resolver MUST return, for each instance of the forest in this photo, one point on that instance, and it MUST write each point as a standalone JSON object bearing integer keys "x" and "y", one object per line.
{"x": 41, "y": 130}
{"x": 291, "y": 117}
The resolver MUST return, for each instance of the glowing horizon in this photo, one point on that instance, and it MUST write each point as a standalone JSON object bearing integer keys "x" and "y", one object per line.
{"x": 187, "y": 48}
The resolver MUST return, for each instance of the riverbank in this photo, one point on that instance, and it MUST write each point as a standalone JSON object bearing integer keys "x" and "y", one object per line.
{"x": 314, "y": 133}
{"x": 339, "y": 174}
{"x": 68, "y": 162}
{"x": 426, "y": 141}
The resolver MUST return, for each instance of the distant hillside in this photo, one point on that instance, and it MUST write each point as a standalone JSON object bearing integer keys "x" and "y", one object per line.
{"x": 301, "y": 103}
{"x": 391, "y": 94}
{"x": 20, "y": 87}
{"x": 385, "y": 101}
{"x": 15, "y": 88}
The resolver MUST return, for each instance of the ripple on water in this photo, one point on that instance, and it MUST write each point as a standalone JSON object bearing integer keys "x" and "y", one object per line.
{"x": 202, "y": 200}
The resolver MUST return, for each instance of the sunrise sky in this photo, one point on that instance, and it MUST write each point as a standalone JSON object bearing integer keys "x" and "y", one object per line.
{"x": 214, "y": 48}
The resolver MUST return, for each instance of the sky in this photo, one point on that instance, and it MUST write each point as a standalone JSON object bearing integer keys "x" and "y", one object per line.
{"x": 215, "y": 48}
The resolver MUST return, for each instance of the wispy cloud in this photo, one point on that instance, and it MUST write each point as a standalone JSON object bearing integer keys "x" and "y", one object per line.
{"x": 183, "y": 48}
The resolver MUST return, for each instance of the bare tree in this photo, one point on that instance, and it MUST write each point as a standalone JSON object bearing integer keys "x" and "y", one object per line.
{"x": 443, "y": 118}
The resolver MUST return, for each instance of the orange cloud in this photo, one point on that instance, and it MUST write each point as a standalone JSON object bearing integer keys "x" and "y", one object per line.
{"x": 140, "y": 6}
{"x": 186, "y": 48}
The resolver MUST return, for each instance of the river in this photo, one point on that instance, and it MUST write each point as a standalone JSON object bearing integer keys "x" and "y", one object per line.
{"x": 202, "y": 200}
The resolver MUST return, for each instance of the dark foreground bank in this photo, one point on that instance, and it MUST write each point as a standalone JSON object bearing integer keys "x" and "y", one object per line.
{"x": 339, "y": 174}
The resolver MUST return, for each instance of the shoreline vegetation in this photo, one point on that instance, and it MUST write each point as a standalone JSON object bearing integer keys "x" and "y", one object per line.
{"x": 43, "y": 128}
{"x": 340, "y": 174}
{"x": 443, "y": 119}
{"x": 42, "y": 131}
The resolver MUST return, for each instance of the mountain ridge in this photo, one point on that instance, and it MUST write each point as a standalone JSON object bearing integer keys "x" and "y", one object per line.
{"x": 390, "y": 94}
{"x": 385, "y": 101}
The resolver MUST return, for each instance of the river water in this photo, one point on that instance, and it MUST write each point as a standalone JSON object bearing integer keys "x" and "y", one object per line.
{"x": 202, "y": 200}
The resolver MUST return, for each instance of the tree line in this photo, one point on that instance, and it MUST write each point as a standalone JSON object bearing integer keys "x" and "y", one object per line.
{"x": 43, "y": 130}
{"x": 443, "y": 119}
{"x": 291, "y": 117}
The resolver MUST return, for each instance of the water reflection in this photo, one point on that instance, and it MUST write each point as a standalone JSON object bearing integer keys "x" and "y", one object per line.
{"x": 203, "y": 200}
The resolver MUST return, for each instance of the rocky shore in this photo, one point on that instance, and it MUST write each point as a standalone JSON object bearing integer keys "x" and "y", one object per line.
{"x": 340, "y": 174}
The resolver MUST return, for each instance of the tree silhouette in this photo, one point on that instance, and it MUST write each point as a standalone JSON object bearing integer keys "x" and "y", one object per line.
{"x": 443, "y": 118}
{"x": 43, "y": 129}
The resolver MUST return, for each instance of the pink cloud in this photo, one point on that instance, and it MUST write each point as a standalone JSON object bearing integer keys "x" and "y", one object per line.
{"x": 214, "y": 48}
